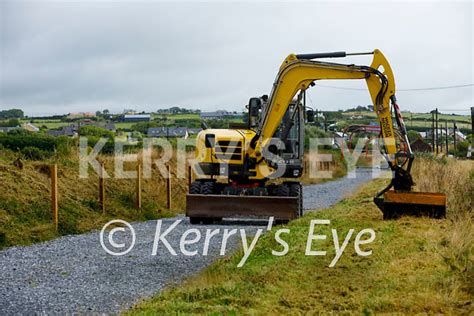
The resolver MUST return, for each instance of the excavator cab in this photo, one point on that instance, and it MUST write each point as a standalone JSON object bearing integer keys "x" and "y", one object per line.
{"x": 291, "y": 134}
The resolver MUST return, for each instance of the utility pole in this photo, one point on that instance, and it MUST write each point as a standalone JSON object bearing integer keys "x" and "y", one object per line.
{"x": 472, "y": 122}
{"x": 472, "y": 130}
{"x": 454, "y": 137}
{"x": 325, "y": 122}
{"x": 436, "y": 130}
{"x": 432, "y": 132}
{"x": 446, "y": 130}
{"x": 304, "y": 99}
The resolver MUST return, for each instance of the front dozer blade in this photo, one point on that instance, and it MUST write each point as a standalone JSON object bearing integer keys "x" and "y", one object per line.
{"x": 214, "y": 206}
{"x": 399, "y": 203}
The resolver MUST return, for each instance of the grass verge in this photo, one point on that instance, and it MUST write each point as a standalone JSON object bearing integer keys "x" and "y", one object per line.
{"x": 25, "y": 202}
{"x": 418, "y": 265}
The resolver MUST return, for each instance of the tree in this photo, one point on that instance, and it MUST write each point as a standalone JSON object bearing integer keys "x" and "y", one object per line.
{"x": 331, "y": 115}
{"x": 413, "y": 135}
{"x": 12, "y": 113}
{"x": 10, "y": 123}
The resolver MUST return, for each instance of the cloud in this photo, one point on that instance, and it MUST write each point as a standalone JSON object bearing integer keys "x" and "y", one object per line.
{"x": 59, "y": 57}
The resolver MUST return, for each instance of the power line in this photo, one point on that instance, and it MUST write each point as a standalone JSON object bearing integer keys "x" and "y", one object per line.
{"x": 414, "y": 89}
{"x": 455, "y": 110}
{"x": 439, "y": 88}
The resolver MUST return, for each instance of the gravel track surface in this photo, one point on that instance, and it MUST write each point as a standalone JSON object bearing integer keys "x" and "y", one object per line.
{"x": 74, "y": 274}
{"x": 321, "y": 196}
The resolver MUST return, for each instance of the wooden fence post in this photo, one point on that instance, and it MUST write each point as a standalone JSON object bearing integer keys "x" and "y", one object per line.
{"x": 168, "y": 188}
{"x": 102, "y": 188}
{"x": 190, "y": 175}
{"x": 54, "y": 194}
{"x": 138, "y": 202}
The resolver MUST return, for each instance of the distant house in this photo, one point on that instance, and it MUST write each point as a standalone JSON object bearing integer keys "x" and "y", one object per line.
{"x": 64, "y": 131}
{"x": 72, "y": 129}
{"x": 30, "y": 127}
{"x": 442, "y": 133}
{"x": 110, "y": 127}
{"x": 211, "y": 116}
{"x": 166, "y": 131}
{"x": 6, "y": 129}
{"x": 194, "y": 131}
{"x": 459, "y": 136}
{"x": 420, "y": 146}
{"x": 158, "y": 132}
{"x": 339, "y": 138}
{"x": 73, "y": 116}
{"x": 136, "y": 118}
{"x": 105, "y": 125}
{"x": 218, "y": 115}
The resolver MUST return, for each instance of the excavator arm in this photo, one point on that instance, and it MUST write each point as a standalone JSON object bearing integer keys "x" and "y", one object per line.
{"x": 298, "y": 73}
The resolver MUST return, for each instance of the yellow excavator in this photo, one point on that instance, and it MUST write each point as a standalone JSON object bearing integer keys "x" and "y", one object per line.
{"x": 234, "y": 166}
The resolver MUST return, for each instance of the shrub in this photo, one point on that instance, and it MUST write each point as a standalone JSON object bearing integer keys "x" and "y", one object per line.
{"x": 461, "y": 149}
{"x": 46, "y": 143}
{"x": 413, "y": 135}
{"x": 143, "y": 127}
{"x": 13, "y": 122}
{"x": 33, "y": 153}
{"x": 91, "y": 130}
{"x": 108, "y": 148}
{"x": 315, "y": 132}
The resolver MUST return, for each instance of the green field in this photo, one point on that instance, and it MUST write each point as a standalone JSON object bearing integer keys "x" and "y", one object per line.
{"x": 50, "y": 124}
{"x": 192, "y": 116}
{"x": 124, "y": 125}
{"x": 417, "y": 116}
{"x": 412, "y": 120}
{"x": 417, "y": 120}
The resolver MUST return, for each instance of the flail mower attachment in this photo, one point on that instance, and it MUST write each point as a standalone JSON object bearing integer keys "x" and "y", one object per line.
{"x": 402, "y": 201}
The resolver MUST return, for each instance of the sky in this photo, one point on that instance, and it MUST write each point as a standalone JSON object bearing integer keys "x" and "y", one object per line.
{"x": 59, "y": 57}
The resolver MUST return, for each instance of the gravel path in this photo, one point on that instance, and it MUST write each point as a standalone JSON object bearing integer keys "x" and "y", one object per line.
{"x": 320, "y": 196}
{"x": 74, "y": 274}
